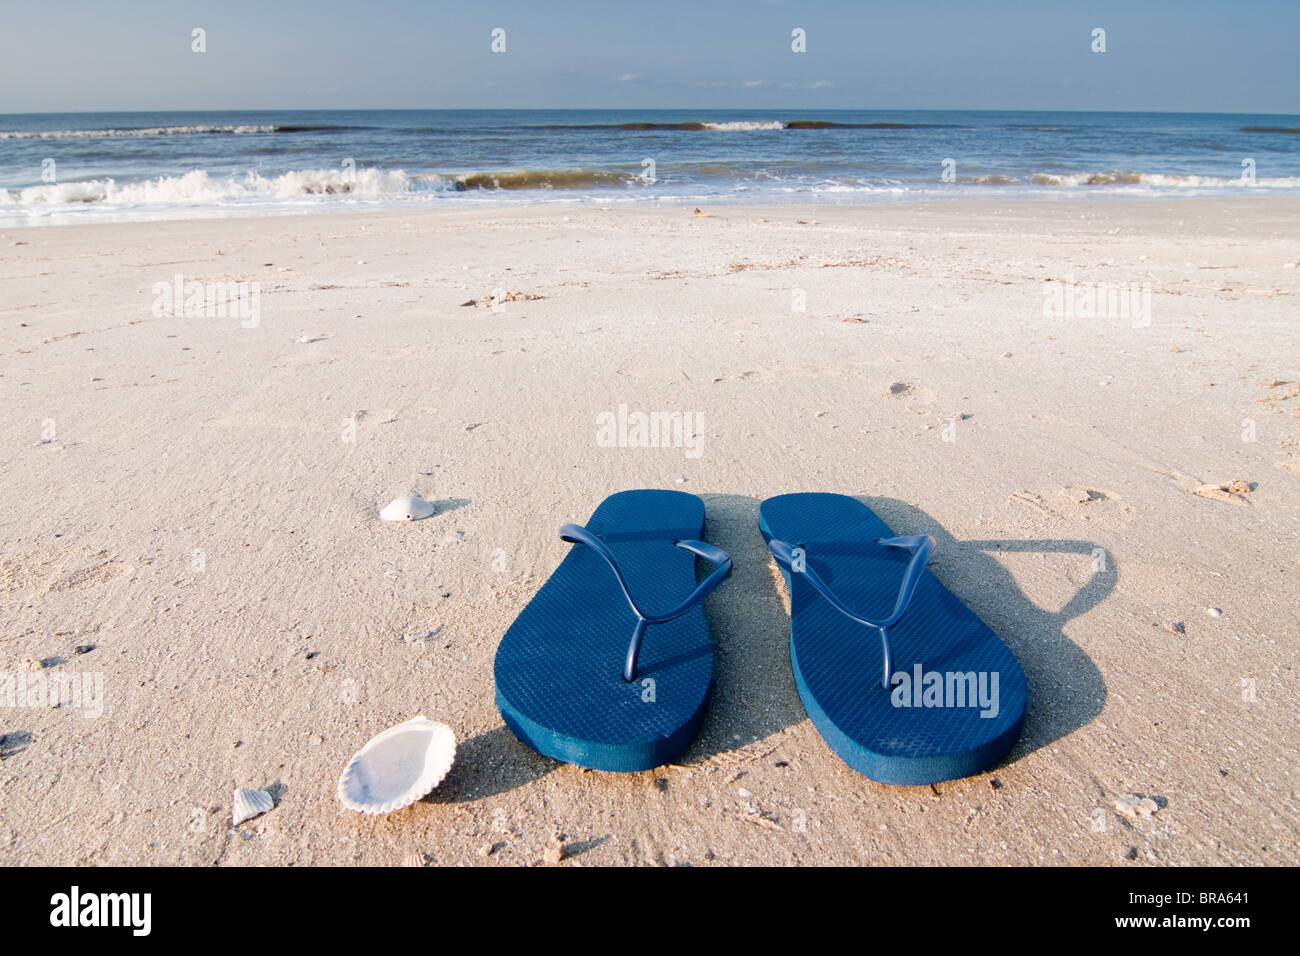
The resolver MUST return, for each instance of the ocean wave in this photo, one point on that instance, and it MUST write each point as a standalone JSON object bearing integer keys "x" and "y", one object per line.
{"x": 531, "y": 179}
{"x": 1294, "y": 131}
{"x": 644, "y": 126}
{"x": 142, "y": 131}
{"x": 744, "y": 126}
{"x": 331, "y": 129}
{"x": 826, "y": 124}
{"x": 729, "y": 126}
{"x": 198, "y": 188}
{"x": 1120, "y": 177}
{"x": 689, "y": 126}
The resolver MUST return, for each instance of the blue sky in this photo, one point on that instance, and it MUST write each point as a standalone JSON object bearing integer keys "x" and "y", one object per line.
{"x": 60, "y": 55}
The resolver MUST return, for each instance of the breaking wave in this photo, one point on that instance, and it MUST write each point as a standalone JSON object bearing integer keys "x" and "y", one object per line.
{"x": 1120, "y": 177}
{"x": 742, "y": 126}
{"x": 529, "y": 179}
{"x": 201, "y": 192}
{"x": 198, "y": 188}
{"x": 139, "y": 132}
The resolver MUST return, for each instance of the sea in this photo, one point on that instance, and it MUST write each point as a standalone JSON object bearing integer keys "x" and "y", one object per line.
{"x": 86, "y": 167}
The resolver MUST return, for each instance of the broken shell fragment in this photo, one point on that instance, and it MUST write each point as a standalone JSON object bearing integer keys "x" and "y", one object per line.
{"x": 248, "y": 803}
{"x": 1219, "y": 493}
{"x": 554, "y": 851}
{"x": 410, "y": 508}
{"x": 1133, "y": 806}
{"x": 398, "y": 767}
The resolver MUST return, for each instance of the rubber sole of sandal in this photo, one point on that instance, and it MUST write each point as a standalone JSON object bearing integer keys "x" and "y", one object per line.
{"x": 558, "y": 669}
{"x": 925, "y": 729}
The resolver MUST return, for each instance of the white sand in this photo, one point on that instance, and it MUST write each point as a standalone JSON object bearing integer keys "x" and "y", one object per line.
{"x": 187, "y": 442}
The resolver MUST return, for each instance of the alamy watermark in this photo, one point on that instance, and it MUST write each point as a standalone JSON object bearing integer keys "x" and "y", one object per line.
{"x": 1098, "y": 300}
{"x": 662, "y": 429}
{"x": 923, "y": 688}
{"x": 82, "y": 691}
{"x": 209, "y": 300}
{"x": 129, "y": 910}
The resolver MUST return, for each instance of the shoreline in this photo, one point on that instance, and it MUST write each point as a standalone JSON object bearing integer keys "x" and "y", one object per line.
{"x": 581, "y": 203}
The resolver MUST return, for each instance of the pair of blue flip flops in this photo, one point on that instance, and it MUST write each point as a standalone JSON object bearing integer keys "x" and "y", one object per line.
{"x": 609, "y": 666}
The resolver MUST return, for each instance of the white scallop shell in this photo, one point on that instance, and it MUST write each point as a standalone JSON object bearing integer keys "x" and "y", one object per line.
{"x": 247, "y": 804}
{"x": 398, "y": 766}
{"x": 410, "y": 508}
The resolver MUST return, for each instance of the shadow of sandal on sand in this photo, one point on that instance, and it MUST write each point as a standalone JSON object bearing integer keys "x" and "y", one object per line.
{"x": 754, "y": 694}
{"x": 1066, "y": 690}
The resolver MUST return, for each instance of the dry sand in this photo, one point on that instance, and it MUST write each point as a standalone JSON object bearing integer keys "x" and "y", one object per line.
{"x": 180, "y": 494}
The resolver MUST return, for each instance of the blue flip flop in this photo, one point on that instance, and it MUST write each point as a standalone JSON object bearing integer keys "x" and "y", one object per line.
{"x": 902, "y": 680}
{"x": 573, "y": 680}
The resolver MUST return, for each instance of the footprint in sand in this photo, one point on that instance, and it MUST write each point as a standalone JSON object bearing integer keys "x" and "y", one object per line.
{"x": 100, "y": 573}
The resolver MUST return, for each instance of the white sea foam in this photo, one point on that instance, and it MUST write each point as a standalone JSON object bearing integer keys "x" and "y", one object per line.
{"x": 198, "y": 188}
{"x": 745, "y": 125}
{"x": 122, "y": 133}
{"x": 1166, "y": 180}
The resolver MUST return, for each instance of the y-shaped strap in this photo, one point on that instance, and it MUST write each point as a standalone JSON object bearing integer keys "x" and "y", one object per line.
{"x": 922, "y": 545}
{"x": 576, "y": 534}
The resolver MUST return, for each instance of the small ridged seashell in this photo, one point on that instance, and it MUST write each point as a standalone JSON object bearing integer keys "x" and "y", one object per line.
{"x": 398, "y": 767}
{"x": 248, "y": 803}
{"x": 410, "y": 508}
{"x": 418, "y": 858}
